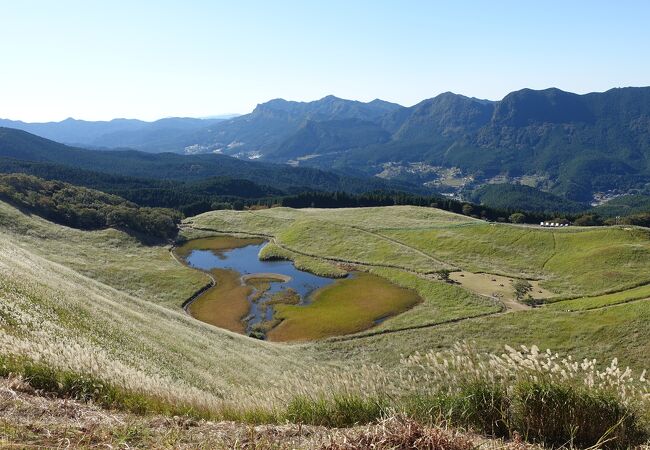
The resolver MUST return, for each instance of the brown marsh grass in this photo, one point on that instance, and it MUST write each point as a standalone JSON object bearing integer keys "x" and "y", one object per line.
{"x": 215, "y": 244}
{"x": 225, "y": 304}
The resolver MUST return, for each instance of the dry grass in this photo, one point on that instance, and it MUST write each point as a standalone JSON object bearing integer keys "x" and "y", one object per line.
{"x": 29, "y": 419}
{"x": 396, "y": 433}
{"x": 51, "y": 315}
{"x": 32, "y": 420}
{"x": 548, "y": 398}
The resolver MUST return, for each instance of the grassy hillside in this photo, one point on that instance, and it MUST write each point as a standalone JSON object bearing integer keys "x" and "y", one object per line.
{"x": 117, "y": 317}
{"x": 109, "y": 256}
{"x": 97, "y": 315}
{"x": 408, "y": 245}
{"x": 446, "y": 240}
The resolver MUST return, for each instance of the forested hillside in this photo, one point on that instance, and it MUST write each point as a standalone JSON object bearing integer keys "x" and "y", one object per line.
{"x": 525, "y": 198}
{"x": 85, "y": 208}
{"x": 578, "y": 144}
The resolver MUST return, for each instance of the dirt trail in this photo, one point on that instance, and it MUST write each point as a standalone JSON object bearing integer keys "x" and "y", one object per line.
{"x": 552, "y": 254}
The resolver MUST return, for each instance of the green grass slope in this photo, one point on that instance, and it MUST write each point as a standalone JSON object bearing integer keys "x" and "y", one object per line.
{"x": 109, "y": 256}
{"x": 571, "y": 261}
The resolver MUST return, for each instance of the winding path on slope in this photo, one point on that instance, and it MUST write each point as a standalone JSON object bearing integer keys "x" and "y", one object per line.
{"x": 462, "y": 319}
{"x": 402, "y": 244}
{"x": 553, "y": 253}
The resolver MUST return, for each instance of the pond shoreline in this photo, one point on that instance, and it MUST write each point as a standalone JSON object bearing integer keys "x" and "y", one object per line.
{"x": 258, "y": 288}
{"x": 188, "y": 301}
{"x": 301, "y": 306}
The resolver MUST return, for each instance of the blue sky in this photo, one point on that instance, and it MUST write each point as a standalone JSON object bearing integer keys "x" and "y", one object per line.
{"x": 151, "y": 59}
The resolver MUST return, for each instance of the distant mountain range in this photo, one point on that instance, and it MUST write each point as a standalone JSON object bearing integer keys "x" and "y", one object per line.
{"x": 573, "y": 146}
{"x": 158, "y": 136}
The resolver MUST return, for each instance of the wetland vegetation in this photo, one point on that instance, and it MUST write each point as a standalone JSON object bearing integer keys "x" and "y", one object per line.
{"x": 348, "y": 306}
{"x": 271, "y": 299}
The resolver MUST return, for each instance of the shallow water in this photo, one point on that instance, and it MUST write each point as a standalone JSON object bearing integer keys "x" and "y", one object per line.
{"x": 244, "y": 260}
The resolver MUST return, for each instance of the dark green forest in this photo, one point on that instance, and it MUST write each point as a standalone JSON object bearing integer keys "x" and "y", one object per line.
{"x": 519, "y": 197}
{"x": 84, "y": 208}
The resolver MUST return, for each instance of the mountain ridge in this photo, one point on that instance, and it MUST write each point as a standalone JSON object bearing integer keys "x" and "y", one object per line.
{"x": 577, "y": 144}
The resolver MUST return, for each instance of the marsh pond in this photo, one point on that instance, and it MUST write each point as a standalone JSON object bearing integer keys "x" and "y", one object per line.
{"x": 274, "y": 300}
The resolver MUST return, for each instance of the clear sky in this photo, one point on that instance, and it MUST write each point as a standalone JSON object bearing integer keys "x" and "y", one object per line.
{"x": 150, "y": 59}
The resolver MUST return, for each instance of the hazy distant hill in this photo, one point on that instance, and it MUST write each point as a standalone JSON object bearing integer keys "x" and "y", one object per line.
{"x": 263, "y": 130}
{"x": 159, "y": 136}
{"x": 20, "y": 145}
